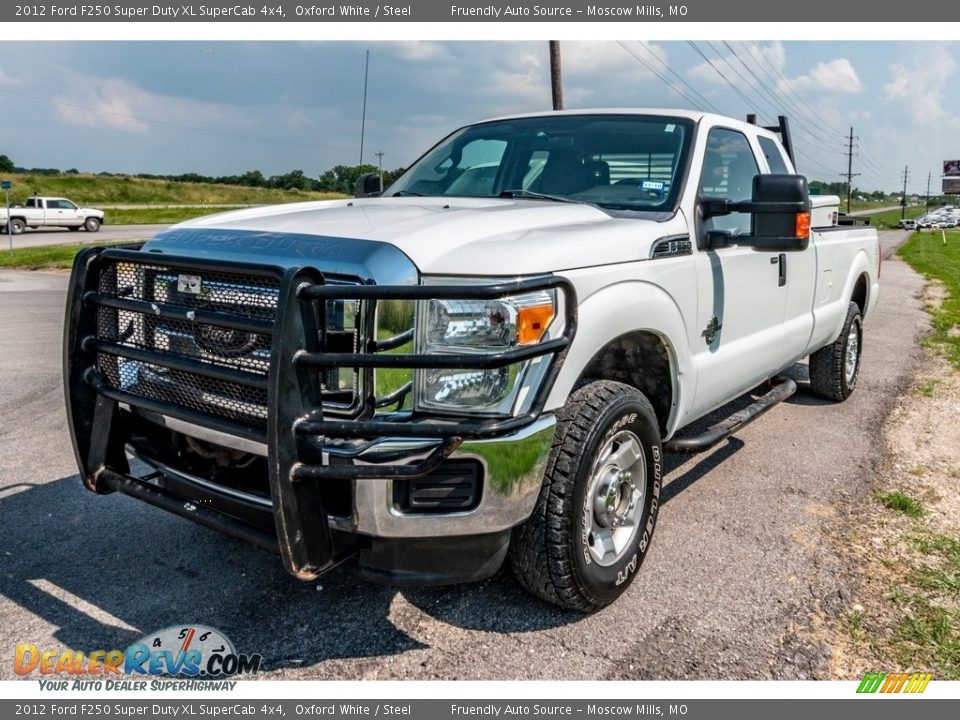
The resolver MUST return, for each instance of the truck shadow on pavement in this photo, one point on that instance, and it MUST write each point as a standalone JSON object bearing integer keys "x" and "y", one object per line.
{"x": 106, "y": 570}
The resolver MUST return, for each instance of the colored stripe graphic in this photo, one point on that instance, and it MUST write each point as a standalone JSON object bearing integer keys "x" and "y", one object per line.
{"x": 870, "y": 683}
{"x": 894, "y": 683}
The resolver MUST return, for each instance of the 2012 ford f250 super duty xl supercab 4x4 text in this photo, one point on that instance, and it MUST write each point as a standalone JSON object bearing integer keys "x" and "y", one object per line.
{"x": 486, "y": 362}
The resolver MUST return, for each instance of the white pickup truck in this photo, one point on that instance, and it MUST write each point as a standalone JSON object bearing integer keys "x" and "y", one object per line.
{"x": 483, "y": 364}
{"x": 50, "y": 212}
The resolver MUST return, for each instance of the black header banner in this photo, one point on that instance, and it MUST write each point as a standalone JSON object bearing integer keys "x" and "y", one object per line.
{"x": 622, "y": 11}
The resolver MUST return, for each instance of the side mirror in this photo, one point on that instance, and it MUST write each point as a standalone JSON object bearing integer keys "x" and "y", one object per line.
{"x": 780, "y": 211}
{"x": 368, "y": 185}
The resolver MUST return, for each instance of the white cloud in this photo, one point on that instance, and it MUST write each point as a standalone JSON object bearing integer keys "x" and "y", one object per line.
{"x": 418, "y": 51}
{"x": 836, "y": 75}
{"x": 920, "y": 88}
{"x": 103, "y": 103}
{"x": 7, "y": 80}
{"x": 732, "y": 64}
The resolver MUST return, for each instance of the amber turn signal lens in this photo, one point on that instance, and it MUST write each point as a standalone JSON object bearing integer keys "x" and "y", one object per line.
{"x": 532, "y": 322}
{"x": 802, "y": 227}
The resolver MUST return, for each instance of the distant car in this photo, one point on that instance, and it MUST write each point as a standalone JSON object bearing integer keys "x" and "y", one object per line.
{"x": 51, "y": 212}
{"x": 908, "y": 224}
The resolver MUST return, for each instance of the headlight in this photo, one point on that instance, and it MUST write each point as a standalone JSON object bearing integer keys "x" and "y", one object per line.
{"x": 479, "y": 327}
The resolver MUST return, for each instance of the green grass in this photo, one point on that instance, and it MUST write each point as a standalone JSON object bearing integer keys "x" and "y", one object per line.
{"x": 928, "y": 636}
{"x": 49, "y": 257}
{"x": 926, "y": 253}
{"x": 108, "y": 191}
{"x": 901, "y": 502}
{"x": 891, "y": 218}
{"x": 159, "y": 215}
{"x": 928, "y": 388}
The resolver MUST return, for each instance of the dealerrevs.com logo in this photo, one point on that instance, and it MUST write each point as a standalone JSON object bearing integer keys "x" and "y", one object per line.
{"x": 192, "y": 652}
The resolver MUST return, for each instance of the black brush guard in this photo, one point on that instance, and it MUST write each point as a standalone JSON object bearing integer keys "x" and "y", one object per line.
{"x": 297, "y": 432}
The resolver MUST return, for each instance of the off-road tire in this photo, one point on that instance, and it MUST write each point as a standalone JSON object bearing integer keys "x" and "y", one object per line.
{"x": 91, "y": 224}
{"x": 548, "y": 552}
{"x": 828, "y": 374}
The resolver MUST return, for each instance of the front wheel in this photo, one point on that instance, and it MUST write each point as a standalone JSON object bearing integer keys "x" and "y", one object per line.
{"x": 91, "y": 224}
{"x": 834, "y": 368}
{"x": 597, "y": 510}
{"x": 17, "y": 226}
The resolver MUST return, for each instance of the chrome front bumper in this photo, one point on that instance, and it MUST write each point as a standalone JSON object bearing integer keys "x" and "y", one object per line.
{"x": 513, "y": 467}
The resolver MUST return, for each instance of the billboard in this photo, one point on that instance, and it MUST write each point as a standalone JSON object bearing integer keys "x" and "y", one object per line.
{"x": 951, "y": 186}
{"x": 951, "y": 167}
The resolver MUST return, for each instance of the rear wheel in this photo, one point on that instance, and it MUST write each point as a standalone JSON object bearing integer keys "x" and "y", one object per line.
{"x": 597, "y": 509}
{"x": 91, "y": 224}
{"x": 834, "y": 368}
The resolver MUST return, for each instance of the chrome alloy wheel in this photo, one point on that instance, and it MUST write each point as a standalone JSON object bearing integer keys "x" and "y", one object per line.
{"x": 615, "y": 498}
{"x": 852, "y": 355}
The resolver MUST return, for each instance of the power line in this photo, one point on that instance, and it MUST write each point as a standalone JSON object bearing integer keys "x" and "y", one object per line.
{"x": 665, "y": 80}
{"x": 774, "y": 92}
{"x": 850, "y": 173}
{"x": 680, "y": 78}
{"x": 720, "y": 73}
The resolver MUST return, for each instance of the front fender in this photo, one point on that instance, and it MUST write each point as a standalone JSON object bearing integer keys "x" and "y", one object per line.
{"x": 617, "y": 310}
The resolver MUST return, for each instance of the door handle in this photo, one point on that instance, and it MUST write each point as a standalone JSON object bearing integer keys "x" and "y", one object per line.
{"x": 783, "y": 270}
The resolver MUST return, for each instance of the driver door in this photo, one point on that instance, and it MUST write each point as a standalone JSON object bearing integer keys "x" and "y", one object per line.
{"x": 739, "y": 338}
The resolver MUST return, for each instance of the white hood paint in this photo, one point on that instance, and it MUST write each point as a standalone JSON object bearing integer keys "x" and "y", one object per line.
{"x": 463, "y": 236}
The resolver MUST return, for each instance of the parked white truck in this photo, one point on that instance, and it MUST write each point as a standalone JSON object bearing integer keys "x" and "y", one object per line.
{"x": 39, "y": 212}
{"x": 486, "y": 362}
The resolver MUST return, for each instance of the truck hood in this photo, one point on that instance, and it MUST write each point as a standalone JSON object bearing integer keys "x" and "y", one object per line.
{"x": 450, "y": 236}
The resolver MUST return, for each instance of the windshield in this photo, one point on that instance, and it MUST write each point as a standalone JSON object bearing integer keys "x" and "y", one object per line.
{"x": 628, "y": 162}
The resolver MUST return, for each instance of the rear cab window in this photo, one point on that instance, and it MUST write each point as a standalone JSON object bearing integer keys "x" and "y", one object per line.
{"x": 773, "y": 152}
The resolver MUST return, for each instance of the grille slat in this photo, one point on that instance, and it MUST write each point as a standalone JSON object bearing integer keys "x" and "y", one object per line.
{"x": 195, "y": 338}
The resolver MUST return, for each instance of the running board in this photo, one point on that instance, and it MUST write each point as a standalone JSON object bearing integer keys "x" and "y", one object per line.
{"x": 781, "y": 390}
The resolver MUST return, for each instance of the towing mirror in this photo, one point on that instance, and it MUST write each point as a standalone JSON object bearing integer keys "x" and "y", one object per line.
{"x": 780, "y": 211}
{"x": 368, "y": 185}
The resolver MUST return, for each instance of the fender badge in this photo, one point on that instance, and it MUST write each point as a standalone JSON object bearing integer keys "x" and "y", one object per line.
{"x": 713, "y": 330}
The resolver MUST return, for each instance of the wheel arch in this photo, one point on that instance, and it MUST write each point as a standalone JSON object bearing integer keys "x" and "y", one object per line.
{"x": 626, "y": 333}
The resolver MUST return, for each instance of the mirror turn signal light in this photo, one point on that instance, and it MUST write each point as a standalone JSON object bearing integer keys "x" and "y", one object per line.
{"x": 532, "y": 322}
{"x": 802, "y": 225}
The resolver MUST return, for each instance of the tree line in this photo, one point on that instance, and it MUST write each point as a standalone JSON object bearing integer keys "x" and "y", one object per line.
{"x": 340, "y": 178}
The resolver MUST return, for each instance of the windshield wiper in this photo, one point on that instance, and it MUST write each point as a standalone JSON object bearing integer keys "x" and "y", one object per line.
{"x": 408, "y": 193}
{"x": 537, "y": 196}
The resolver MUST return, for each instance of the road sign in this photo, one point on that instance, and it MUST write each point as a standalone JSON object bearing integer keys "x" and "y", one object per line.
{"x": 6, "y": 185}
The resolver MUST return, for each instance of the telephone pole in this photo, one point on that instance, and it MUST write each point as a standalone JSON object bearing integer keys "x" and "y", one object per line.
{"x": 927, "y": 203}
{"x": 363, "y": 117}
{"x": 380, "y": 163}
{"x": 850, "y": 174}
{"x": 556, "y": 81}
{"x": 903, "y": 200}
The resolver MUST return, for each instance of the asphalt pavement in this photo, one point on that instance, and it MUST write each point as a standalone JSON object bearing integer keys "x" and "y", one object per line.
{"x": 62, "y": 236}
{"x": 740, "y": 558}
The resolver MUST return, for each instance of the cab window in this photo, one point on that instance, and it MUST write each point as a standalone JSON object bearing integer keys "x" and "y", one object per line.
{"x": 771, "y": 151}
{"x": 729, "y": 167}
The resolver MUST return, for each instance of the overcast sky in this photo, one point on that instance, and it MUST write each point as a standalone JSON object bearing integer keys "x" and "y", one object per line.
{"x": 220, "y": 108}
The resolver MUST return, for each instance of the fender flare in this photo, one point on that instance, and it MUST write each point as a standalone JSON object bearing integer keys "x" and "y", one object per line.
{"x": 644, "y": 308}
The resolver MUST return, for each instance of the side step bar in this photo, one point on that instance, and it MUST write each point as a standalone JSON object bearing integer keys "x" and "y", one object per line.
{"x": 781, "y": 390}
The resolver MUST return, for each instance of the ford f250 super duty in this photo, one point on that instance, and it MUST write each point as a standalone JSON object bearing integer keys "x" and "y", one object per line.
{"x": 50, "y": 212}
{"x": 483, "y": 363}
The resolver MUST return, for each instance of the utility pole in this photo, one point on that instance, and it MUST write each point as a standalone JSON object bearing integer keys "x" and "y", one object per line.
{"x": 927, "y": 204}
{"x": 380, "y": 163}
{"x": 903, "y": 200}
{"x": 850, "y": 174}
{"x": 363, "y": 117}
{"x": 556, "y": 81}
